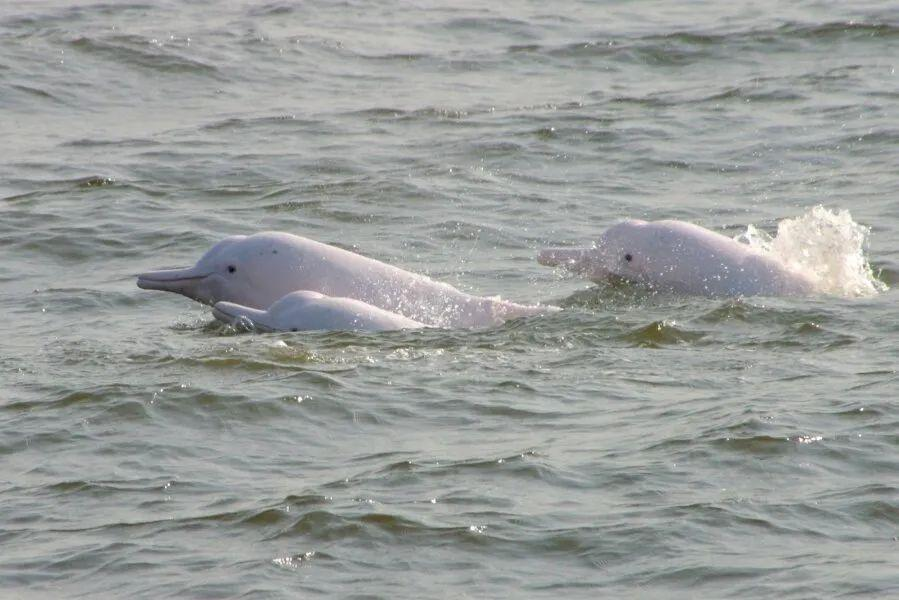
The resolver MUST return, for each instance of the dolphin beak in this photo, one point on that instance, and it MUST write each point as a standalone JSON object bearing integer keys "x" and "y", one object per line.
{"x": 237, "y": 314}
{"x": 181, "y": 281}
{"x": 582, "y": 261}
{"x": 169, "y": 279}
{"x": 561, "y": 257}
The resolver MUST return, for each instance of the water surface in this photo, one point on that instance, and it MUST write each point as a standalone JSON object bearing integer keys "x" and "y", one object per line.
{"x": 632, "y": 445}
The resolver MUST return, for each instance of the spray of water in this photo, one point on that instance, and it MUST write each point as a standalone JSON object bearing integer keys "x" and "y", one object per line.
{"x": 827, "y": 246}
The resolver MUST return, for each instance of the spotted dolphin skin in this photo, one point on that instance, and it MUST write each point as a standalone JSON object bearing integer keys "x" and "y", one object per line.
{"x": 682, "y": 258}
{"x": 257, "y": 270}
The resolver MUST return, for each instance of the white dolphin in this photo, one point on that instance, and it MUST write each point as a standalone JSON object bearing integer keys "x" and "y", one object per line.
{"x": 682, "y": 258}
{"x": 257, "y": 270}
{"x": 311, "y": 311}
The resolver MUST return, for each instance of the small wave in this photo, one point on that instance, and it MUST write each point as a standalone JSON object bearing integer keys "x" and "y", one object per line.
{"x": 827, "y": 246}
{"x": 95, "y": 181}
{"x": 441, "y": 113}
{"x": 36, "y": 92}
{"x": 492, "y": 24}
{"x": 841, "y": 73}
{"x": 294, "y": 206}
{"x": 276, "y": 9}
{"x": 584, "y": 49}
{"x": 651, "y": 101}
{"x": 468, "y": 231}
{"x": 112, "y": 397}
{"x": 886, "y": 137}
{"x": 754, "y": 95}
{"x": 141, "y": 52}
{"x": 661, "y": 333}
{"x": 397, "y": 56}
{"x": 377, "y": 112}
{"x": 679, "y": 48}
{"x": 523, "y": 48}
{"x": 101, "y": 143}
{"x": 237, "y": 123}
{"x": 731, "y": 310}
{"x": 759, "y": 445}
{"x": 327, "y": 526}
{"x": 295, "y": 561}
{"x": 840, "y": 29}
{"x": 75, "y": 13}
{"x": 672, "y": 50}
{"x": 527, "y": 464}
{"x": 65, "y": 185}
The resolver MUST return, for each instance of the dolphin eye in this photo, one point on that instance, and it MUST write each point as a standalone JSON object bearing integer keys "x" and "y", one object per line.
{"x": 628, "y": 257}
{"x": 231, "y": 268}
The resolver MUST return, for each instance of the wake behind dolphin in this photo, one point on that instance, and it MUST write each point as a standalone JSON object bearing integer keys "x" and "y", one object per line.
{"x": 257, "y": 270}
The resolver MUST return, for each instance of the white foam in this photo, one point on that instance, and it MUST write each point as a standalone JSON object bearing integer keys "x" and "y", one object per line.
{"x": 827, "y": 246}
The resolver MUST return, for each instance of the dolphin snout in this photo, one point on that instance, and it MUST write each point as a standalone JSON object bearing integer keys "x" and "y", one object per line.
{"x": 221, "y": 312}
{"x": 237, "y": 314}
{"x": 168, "y": 280}
{"x": 560, "y": 257}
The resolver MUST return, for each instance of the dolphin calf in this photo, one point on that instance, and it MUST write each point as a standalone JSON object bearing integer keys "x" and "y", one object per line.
{"x": 682, "y": 258}
{"x": 311, "y": 311}
{"x": 257, "y": 270}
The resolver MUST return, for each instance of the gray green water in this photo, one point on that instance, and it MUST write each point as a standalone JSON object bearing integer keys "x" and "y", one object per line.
{"x": 630, "y": 446}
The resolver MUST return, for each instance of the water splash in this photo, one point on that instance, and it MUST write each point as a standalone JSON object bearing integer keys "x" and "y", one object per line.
{"x": 827, "y": 246}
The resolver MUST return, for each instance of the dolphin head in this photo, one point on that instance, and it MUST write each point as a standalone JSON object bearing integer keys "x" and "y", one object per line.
{"x": 248, "y": 270}
{"x": 239, "y": 315}
{"x": 623, "y": 250}
{"x": 297, "y": 311}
